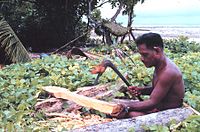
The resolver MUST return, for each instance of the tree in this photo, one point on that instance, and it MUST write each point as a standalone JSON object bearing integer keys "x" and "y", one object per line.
{"x": 43, "y": 25}
{"x": 108, "y": 27}
{"x": 11, "y": 48}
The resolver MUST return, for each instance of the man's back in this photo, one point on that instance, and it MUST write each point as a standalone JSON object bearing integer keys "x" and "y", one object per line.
{"x": 175, "y": 94}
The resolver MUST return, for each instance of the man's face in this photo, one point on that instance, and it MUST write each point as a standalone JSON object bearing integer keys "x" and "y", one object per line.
{"x": 147, "y": 55}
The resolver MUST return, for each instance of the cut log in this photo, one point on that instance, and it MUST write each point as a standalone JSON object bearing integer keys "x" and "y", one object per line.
{"x": 102, "y": 106}
{"x": 98, "y": 91}
{"x": 49, "y": 105}
{"x": 92, "y": 91}
{"x": 137, "y": 124}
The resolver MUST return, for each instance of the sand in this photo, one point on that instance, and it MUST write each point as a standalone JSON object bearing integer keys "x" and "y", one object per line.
{"x": 169, "y": 32}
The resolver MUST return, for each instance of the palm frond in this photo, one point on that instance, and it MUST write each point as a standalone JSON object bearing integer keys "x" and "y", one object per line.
{"x": 11, "y": 44}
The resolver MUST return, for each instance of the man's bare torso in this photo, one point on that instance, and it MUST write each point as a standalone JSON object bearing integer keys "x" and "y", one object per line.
{"x": 175, "y": 94}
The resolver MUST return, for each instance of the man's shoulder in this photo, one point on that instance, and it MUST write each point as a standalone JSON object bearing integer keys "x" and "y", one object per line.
{"x": 172, "y": 71}
{"x": 169, "y": 76}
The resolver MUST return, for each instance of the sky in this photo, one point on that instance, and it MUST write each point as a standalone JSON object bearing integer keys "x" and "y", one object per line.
{"x": 161, "y": 12}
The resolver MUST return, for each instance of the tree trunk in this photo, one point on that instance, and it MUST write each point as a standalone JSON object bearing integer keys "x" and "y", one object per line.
{"x": 117, "y": 12}
{"x": 137, "y": 124}
{"x": 108, "y": 37}
{"x": 130, "y": 17}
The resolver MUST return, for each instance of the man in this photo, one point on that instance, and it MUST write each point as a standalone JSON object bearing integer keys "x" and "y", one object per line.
{"x": 167, "y": 89}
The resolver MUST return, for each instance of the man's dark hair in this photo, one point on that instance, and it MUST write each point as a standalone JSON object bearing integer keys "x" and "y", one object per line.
{"x": 151, "y": 40}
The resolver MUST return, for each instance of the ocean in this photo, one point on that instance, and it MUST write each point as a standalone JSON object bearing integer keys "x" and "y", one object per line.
{"x": 167, "y": 27}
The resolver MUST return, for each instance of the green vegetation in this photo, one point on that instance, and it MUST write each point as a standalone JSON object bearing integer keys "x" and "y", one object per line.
{"x": 43, "y": 25}
{"x": 21, "y": 83}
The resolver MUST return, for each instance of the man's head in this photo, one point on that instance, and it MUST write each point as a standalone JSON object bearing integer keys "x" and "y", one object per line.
{"x": 150, "y": 46}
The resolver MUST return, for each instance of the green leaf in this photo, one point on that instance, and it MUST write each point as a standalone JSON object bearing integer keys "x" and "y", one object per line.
{"x": 11, "y": 44}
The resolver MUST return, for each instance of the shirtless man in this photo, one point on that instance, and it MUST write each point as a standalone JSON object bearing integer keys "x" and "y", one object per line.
{"x": 167, "y": 89}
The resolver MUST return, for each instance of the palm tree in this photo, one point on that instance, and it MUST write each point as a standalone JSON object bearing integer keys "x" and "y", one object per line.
{"x": 10, "y": 46}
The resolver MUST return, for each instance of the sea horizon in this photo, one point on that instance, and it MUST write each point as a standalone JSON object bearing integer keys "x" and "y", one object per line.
{"x": 174, "y": 21}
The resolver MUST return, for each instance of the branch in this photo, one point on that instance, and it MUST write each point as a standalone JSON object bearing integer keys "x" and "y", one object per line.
{"x": 130, "y": 16}
{"x": 31, "y": 1}
{"x": 117, "y": 12}
{"x": 102, "y": 4}
{"x": 70, "y": 42}
{"x": 90, "y": 20}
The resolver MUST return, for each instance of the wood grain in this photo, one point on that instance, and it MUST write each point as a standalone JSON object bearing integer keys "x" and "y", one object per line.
{"x": 102, "y": 106}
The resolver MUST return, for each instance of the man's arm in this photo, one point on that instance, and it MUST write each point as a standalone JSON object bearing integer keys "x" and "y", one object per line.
{"x": 134, "y": 90}
{"x": 146, "y": 90}
{"x": 158, "y": 94}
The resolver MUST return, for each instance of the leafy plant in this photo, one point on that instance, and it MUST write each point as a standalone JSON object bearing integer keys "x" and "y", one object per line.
{"x": 20, "y": 83}
{"x": 181, "y": 45}
{"x": 156, "y": 128}
{"x": 11, "y": 44}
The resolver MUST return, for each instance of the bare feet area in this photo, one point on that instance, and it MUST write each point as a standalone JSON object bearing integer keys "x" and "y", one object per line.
{"x": 169, "y": 32}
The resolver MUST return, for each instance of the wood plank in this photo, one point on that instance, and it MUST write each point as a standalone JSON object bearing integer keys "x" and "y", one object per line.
{"x": 102, "y": 106}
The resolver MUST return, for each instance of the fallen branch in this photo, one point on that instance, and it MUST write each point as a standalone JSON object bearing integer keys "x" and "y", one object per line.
{"x": 188, "y": 106}
{"x": 78, "y": 51}
{"x": 70, "y": 42}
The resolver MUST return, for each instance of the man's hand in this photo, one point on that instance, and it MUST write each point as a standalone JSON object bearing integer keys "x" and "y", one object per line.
{"x": 134, "y": 90}
{"x": 121, "y": 114}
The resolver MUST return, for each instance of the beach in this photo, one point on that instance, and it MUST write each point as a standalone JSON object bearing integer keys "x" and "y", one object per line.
{"x": 171, "y": 31}
{"x": 166, "y": 31}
